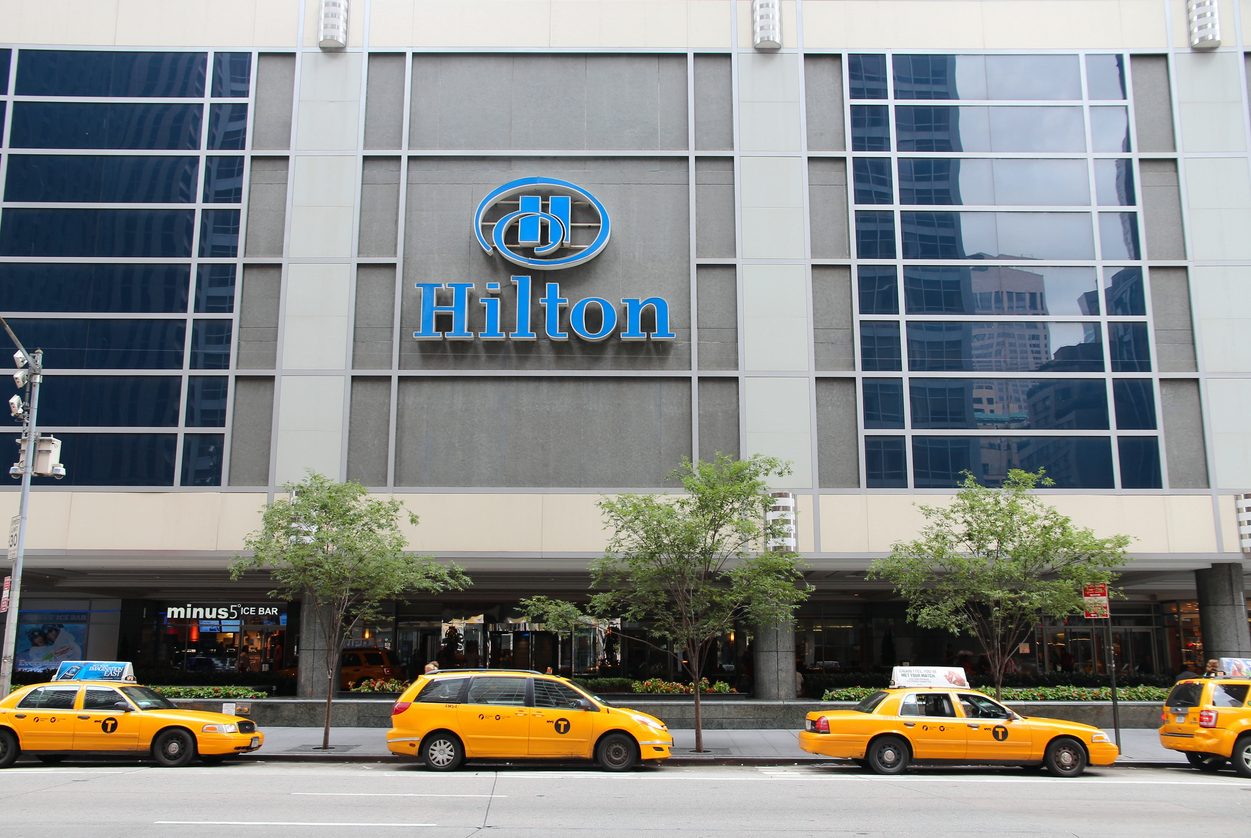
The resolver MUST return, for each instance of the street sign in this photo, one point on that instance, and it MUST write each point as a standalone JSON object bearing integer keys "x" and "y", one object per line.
{"x": 14, "y": 526}
{"x": 4, "y": 597}
{"x": 1095, "y": 598}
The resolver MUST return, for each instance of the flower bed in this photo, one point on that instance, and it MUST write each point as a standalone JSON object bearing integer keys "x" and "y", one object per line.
{"x": 211, "y": 692}
{"x": 657, "y": 686}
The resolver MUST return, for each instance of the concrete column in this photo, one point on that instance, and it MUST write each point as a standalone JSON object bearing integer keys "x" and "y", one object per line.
{"x": 773, "y": 657}
{"x": 1223, "y": 611}
{"x": 311, "y": 677}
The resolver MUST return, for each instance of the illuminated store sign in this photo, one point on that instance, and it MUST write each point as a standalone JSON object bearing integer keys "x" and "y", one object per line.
{"x": 543, "y": 224}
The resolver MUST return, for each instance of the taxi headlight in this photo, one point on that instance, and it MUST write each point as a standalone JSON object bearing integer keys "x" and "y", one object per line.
{"x": 220, "y": 729}
{"x": 652, "y": 723}
{"x": 1099, "y": 737}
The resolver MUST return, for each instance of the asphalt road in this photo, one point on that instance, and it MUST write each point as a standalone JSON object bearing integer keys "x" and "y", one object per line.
{"x": 380, "y": 799}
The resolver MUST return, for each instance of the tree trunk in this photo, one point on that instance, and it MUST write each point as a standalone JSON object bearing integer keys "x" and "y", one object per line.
{"x": 695, "y": 667}
{"x": 330, "y": 687}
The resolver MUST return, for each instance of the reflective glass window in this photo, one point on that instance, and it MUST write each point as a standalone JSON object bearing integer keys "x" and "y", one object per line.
{"x": 1000, "y": 77}
{"x": 875, "y": 234}
{"x": 110, "y": 401}
{"x": 1127, "y": 344}
{"x": 1109, "y": 129}
{"x": 1074, "y": 462}
{"x": 1118, "y": 235}
{"x": 206, "y": 401}
{"x": 872, "y": 180}
{"x": 870, "y": 128}
{"x": 1114, "y": 183}
{"x": 215, "y": 289}
{"x": 1008, "y": 403}
{"x": 104, "y": 232}
{"x": 219, "y": 233}
{"x": 867, "y": 74}
{"x": 994, "y": 289}
{"x": 105, "y": 125}
{"x": 202, "y": 459}
{"x": 95, "y": 288}
{"x": 113, "y": 74}
{"x": 106, "y": 344}
{"x": 210, "y": 345}
{"x": 879, "y": 289}
{"x": 4, "y": 71}
{"x": 883, "y": 403}
{"x": 116, "y": 459}
{"x": 1140, "y": 462}
{"x": 879, "y": 346}
{"x": 885, "y": 463}
{"x": 981, "y": 182}
{"x": 1123, "y": 290}
{"x": 1135, "y": 404}
{"x": 90, "y": 179}
{"x": 989, "y": 128}
{"x": 1026, "y": 346}
{"x": 1008, "y": 235}
{"x": 232, "y": 74}
{"x": 1105, "y": 76}
{"x": 228, "y": 127}
{"x": 223, "y": 180}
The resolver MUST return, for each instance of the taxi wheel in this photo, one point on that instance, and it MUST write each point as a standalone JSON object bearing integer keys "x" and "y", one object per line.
{"x": 8, "y": 748}
{"x": 173, "y": 748}
{"x": 888, "y": 755}
{"x": 442, "y": 751}
{"x": 1065, "y": 758}
{"x": 1209, "y": 763}
{"x": 616, "y": 752}
{"x": 1242, "y": 756}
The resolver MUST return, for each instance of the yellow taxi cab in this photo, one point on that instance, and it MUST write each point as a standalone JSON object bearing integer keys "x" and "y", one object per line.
{"x": 447, "y": 717}
{"x": 116, "y": 718}
{"x": 1209, "y": 720}
{"x": 929, "y": 714}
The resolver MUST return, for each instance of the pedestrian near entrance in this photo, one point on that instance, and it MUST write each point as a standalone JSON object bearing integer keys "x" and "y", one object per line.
{"x": 1213, "y": 669}
{"x": 433, "y": 666}
{"x": 1186, "y": 672}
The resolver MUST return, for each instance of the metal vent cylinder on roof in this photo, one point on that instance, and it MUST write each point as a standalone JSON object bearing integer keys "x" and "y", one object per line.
{"x": 766, "y": 24}
{"x": 1244, "y": 522}
{"x": 334, "y": 24}
{"x": 1204, "y": 22}
{"x": 781, "y": 517}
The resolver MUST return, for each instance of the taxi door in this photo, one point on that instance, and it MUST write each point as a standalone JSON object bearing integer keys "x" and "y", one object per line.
{"x": 102, "y": 726}
{"x": 44, "y": 719}
{"x": 494, "y": 721}
{"x": 992, "y": 733}
{"x": 931, "y": 724}
{"x": 560, "y": 726}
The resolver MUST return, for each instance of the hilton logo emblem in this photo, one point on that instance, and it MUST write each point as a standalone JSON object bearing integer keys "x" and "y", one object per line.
{"x": 553, "y": 238}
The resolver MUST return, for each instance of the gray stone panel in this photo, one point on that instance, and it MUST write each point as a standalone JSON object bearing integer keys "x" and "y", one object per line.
{"x": 251, "y": 431}
{"x": 384, "y": 102}
{"x": 827, "y": 198}
{"x": 635, "y": 102}
{"x": 275, "y": 89}
{"x": 1162, "y": 214}
{"x": 1153, "y": 109}
{"x": 267, "y": 207}
{"x": 714, "y": 107}
{"x": 714, "y": 208}
{"x": 1183, "y": 434}
{"x": 1173, "y": 326}
{"x": 649, "y": 255}
{"x": 823, "y": 80}
{"x": 718, "y": 317}
{"x": 773, "y": 650}
{"x": 372, "y": 332}
{"x": 380, "y": 206}
{"x": 541, "y": 432}
{"x": 832, "y": 318}
{"x": 1223, "y": 610}
{"x": 258, "y": 317}
{"x": 718, "y": 417}
{"x": 367, "y": 432}
{"x": 838, "y": 442}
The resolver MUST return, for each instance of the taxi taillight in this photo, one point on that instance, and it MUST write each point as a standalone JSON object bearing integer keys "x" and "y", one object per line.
{"x": 821, "y": 725}
{"x": 400, "y": 707}
{"x": 1207, "y": 718}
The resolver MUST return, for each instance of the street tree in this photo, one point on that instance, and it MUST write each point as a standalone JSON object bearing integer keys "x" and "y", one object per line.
{"x": 342, "y": 554}
{"x": 995, "y": 563}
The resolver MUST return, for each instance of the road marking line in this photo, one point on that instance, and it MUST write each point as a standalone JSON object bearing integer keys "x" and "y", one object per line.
{"x": 385, "y": 794}
{"x": 284, "y": 823}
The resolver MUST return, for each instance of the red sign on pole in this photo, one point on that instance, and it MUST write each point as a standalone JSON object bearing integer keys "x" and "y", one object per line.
{"x": 1096, "y": 601}
{"x": 4, "y": 598}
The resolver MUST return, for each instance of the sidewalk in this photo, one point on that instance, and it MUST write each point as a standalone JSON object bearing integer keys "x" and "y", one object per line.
{"x": 721, "y": 747}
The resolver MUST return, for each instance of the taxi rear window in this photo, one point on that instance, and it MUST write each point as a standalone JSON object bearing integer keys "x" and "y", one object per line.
{"x": 1185, "y": 695}
{"x": 444, "y": 691}
{"x": 49, "y": 698}
{"x": 1229, "y": 695}
{"x": 870, "y": 703}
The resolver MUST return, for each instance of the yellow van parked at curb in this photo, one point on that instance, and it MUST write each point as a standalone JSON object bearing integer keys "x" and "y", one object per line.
{"x": 447, "y": 717}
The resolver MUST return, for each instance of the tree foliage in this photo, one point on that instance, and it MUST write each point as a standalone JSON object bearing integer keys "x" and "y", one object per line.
{"x": 341, "y": 553}
{"x": 995, "y": 563}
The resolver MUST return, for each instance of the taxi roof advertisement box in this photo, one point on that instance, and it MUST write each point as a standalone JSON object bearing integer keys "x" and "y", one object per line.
{"x": 928, "y": 676}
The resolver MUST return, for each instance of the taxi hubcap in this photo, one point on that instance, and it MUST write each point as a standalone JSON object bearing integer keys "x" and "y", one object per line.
{"x": 442, "y": 752}
{"x": 173, "y": 748}
{"x": 616, "y": 752}
{"x": 1066, "y": 758}
{"x": 889, "y": 756}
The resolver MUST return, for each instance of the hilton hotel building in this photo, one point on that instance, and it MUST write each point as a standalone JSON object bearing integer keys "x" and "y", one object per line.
{"x": 886, "y": 241}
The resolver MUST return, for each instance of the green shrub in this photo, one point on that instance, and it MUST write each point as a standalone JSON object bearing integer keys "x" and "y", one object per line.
{"x": 380, "y": 685}
{"x": 223, "y": 692}
{"x": 1062, "y": 693}
{"x": 604, "y": 685}
{"x": 659, "y": 686}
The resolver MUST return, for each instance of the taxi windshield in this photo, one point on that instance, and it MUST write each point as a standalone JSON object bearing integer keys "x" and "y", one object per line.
{"x": 870, "y": 703}
{"x": 146, "y": 699}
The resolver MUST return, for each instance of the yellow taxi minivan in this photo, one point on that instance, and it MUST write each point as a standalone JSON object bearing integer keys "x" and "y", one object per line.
{"x": 450, "y": 716}
{"x": 54, "y": 720}
{"x": 929, "y": 714}
{"x": 1209, "y": 720}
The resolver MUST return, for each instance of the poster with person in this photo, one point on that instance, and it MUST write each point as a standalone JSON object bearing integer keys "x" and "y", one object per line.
{"x": 45, "y": 639}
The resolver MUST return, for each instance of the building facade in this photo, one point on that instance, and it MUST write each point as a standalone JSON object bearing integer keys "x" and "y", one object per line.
{"x": 371, "y": 239}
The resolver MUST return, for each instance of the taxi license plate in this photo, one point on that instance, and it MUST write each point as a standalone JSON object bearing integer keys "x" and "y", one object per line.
{"x": 1180, "y": 718}
{"x": 256, "y": 741}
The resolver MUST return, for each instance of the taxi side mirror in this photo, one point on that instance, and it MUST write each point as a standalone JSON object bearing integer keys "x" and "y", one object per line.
{"x": 581, "y": 704}
{"x": 122, "y": 706}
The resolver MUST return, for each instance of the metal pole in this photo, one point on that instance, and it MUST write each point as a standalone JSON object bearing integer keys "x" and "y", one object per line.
{"x": 15, "y": 586}
{"x": 1116, "y": 710}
